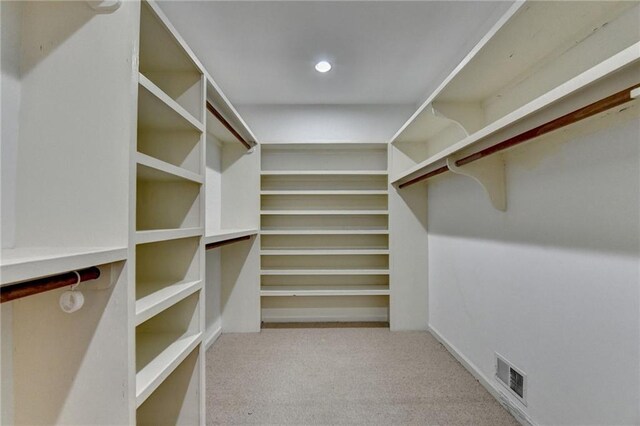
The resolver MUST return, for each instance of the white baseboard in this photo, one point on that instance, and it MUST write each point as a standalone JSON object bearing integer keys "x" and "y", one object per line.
{"x": 325, "y": 314}
{"x": 211, "y": 336}
{"x": 492, "y": 388}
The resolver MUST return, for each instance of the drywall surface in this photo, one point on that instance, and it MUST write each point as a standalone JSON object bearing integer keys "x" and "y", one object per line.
{"x": 408, "y": 244}
{"x": 10, "y": 15}
{"x": 213, "y": 282}
{"x": 240, "y": 292}
{"x": 75, "y": 132}
{"x": 213, "y": 175}
{"x": 213, "y": 266}
{"x": 553, "y": 283}
{"x": 6, "y": 365}
{"x": 325, "y": 123}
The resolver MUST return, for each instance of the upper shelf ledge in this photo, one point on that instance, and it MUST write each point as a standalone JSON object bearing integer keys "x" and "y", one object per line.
{"x": 607, "y": 67}
{"x": 27, "y": 263}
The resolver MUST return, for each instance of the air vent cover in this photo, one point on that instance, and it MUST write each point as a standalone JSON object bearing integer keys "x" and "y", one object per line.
{"x": 512, "y": 378}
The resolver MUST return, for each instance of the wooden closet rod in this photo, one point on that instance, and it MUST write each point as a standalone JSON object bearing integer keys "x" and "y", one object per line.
{"x": 40, "y": 285}
{"x": 597, "y": 107}
{"x": 226, "y": 124}
{"x": 225, "y": 242}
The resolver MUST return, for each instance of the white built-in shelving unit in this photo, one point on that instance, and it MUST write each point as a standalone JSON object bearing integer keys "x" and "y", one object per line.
{"x": 540, "y": 61}
{"x": 324, "y": 232}
{"x": 167, "y": 225}
{"x": 115, "y": 175}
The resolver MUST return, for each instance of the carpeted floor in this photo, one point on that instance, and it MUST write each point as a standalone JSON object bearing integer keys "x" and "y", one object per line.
{"x": 305, "y": 376}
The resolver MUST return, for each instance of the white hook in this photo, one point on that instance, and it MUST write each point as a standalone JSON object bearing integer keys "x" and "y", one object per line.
{"x": 72, "y": 300}
{"x": 73, "y": 286}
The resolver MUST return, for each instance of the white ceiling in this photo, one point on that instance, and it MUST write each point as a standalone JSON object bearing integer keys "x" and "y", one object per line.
{"x": 383, "y": 52}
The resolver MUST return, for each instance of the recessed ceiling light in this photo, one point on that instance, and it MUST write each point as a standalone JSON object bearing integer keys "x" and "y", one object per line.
{"x": 323, "y": 66}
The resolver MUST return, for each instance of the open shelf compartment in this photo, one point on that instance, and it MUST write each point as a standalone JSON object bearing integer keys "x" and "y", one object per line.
{"x": 177, "y": 400}
{"x": 338, "y": 308}
{"x": 163, "y": 342}
{"x": 324, "y": 202}
{"x": 335, "y": 158}
{"x": 329, "y": 242}
{"x": 167, "y": 62}
{"x": 166, "y": 201}
{"x": 166, "y": 272}
{"x": 317, "y": 285}
{"x": 325, "y": 222}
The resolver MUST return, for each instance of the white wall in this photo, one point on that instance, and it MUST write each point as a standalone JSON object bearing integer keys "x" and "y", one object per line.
{"x": 240, "y": 293}
{"x": 213, "y": 268}
{"x": 11, "y": 16}
{"x": 325, "y": 123}
{"x": 552, "y": 284}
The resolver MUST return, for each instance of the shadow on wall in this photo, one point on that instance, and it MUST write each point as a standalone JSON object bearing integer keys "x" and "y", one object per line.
{"x": 236, "y": 254}
{"x": 59, "y": 356}
{"x": 578, "y": 188}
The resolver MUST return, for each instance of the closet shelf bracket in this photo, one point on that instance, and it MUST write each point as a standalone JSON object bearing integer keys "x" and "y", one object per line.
{"x": 490, "y": 174}
{"x": 467, "y": 116}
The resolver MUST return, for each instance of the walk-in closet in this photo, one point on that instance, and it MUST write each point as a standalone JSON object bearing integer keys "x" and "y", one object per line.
{"x": 320, "y": 212}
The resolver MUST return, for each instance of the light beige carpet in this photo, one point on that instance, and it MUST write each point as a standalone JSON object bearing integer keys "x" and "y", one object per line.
{"x": 371, "y": 376}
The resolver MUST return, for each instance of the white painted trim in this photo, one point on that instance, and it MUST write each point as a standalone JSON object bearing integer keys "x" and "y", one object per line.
{"x": 211, "y": 336}
{"x": 509, "y": 404}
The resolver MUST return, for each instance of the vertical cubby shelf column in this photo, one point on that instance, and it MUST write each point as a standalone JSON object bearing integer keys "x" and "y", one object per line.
{"x": 167, "y": 227}
{"x": 324, "y": 232}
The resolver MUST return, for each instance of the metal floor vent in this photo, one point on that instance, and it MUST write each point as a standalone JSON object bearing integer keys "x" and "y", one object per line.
{"x": 512, "y": 378}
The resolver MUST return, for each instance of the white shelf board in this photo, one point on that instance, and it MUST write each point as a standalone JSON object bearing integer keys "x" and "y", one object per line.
{"x": 323, "y": 212}
{"x": 323, "y": 172}
{"x": 158, "y": 110}
{"x": 325, "y": 232}
{"x": 155, "y": 372}
{"x": 324, "y": 272}
{"x": 328, "y": 192}
{"x": 228, "y": 234}
{"x": 168, "y": 172}
{"x": 168, "y": 295}
{"x": 603, "y": 69}
{"x": 143, "y": 237}
{"x": 362, "y": 290}
{"x": 323, "y": 252}
{"x": 26, "y": 263}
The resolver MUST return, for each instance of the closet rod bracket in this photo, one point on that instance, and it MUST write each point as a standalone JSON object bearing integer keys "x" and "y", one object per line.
{"x": 490, "y": 174}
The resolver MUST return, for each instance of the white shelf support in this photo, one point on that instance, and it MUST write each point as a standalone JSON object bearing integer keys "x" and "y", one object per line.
{"x": 468, "y": 116}
{"x": 490, "y": 173}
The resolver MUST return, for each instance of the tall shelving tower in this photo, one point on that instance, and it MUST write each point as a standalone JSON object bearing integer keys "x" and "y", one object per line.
{"x": 324, "y": 232}
{"x": 167, "y": 223}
